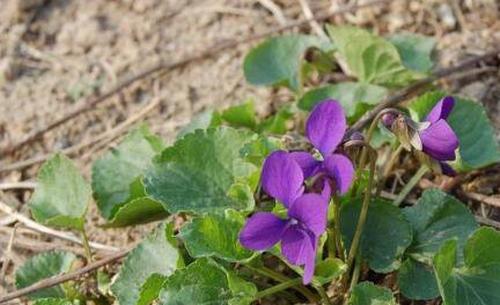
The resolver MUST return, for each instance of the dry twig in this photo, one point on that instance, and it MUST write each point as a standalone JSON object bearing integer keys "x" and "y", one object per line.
{"x": 46, "y": 230}
{"x": 58, "y": 279}
{"x": 107, "y": 136}
{"x": 87, "y": 105}
{"x": 17, "y": 185}
{"x": 275, "y": 10}
{"x": 306, "y": 9}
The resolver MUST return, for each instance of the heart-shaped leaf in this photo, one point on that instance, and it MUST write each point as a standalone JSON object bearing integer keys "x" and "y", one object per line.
{"x": 436, "y": 218}
{"x": 349, "y": 94}
{"x": 203, "y": 120}
{"x": 215, "y": 235}
{"x": 61, "y": 196}
{"x": 415, "y": 50}
{"x": 478, "y": 146}
{"x": 278, "y": 60}
{"x": 475, "y": 282}
{"x": 386, "y": 233}
{"x": 417, "y": 281}
{"x": 370, "y": 58}
{"x": 42, "y": 266}
{"x": 151, "y": 288}
{"x": 242, "y": 115}
{"x": 367, "y": 293}
{"x": 203, "y": 172}
{"x": 156, "y": 254}
{"x": 116, "y": 180}
{"x": 206, "y": 282}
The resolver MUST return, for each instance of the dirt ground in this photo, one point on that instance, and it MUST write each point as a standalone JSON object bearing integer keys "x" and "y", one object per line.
{"x": 56, "y": 53}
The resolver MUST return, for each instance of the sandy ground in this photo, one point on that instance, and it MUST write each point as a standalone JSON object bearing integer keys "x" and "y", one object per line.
{"x": 55, "y": 53}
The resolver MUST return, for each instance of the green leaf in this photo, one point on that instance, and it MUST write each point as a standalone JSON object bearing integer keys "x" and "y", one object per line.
{"x": 349, "y": 94}
{"x": 256, "y": 151}
{"x": 415, "y": 50}
{"x": 156, "y": 254}
{"x": 150, "y": 290}
{"x": 52, "y": 301}
{"x": 367, "y": 293}
{"x": 204, "y": 120}
{"x": 277, "y": 123}
{"x": 386, "y": 233}
{"x": 42, "y": 266}
{"x": 278, "y": 60}
{"x": 61, "y": 196}
{"x": 436, "y": 218}
{"x": 206, "y": 282}
{"x": 216, "y": 235}
{"x": 116, "y": 180}
{"x": 474, "y": 282}
{"x": 329, "y": 269}
{"x": 241, "y": 115}
{"x": 203, "y": 173}
{"x": 417, "y": 281}
{"x": 478, "y": 146}
{"x": 371, "y": 58}
{"x": 103, "y": 282}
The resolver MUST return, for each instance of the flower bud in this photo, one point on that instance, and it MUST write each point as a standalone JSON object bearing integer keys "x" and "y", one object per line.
{"x": 388, "y": 119}
{"x": 356, "y": 136}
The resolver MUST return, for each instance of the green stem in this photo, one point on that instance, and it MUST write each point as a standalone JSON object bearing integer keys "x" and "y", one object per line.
{"x": 388, "y": 167}
{"x": 336, "y": 227}
{"x": 331, "y": 243}
{"x": 278, "y": 277}
{"x": 362, "y": 215}
{"x": 86, "y": 246}
{"x": 278, "y": 288}
{"x": 356, "y": 272}
{"x": 411, "y": 184}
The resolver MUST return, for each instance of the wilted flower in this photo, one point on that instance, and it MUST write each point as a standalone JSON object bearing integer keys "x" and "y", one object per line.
{"x": 325, "y": 129}
{"x": 282, "y": 178}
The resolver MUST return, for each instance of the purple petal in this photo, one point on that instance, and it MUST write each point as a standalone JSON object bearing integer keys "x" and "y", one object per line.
{"x": 311, "y": 211}
{"x": 299, "y": 249}
{"x": 307, "y": 162}
{"x": 282, "y": 177}
{"x": 447, "y": 170}
{"x": 326, "y": 126}
{"x": 439, "y": 141}
{"x": 262, "y": 231}
{"x": 326, "y": 193}
{"x": 441, "y": 110}
{"x": 341, "y": 170}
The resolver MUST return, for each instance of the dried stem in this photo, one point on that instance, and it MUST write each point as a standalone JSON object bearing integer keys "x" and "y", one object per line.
{"x": 56, "y": 280}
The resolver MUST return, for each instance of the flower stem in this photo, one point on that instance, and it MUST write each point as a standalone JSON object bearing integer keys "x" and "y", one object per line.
{"x": 362, "y": 215}
{"x": 278, "y": 288}
{"x": 86, "y": 246}
{"x": 336, "y": 228}
{"x": 331, "y": 243}
{"x": 388, "y": 167}
{"x": 278, "y": 277}
{"x": 324, "y": 297}
{"x": 411, "y": 184}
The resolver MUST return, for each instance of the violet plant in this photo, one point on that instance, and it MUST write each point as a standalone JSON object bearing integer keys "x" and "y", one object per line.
{"x": 261, "y": 209}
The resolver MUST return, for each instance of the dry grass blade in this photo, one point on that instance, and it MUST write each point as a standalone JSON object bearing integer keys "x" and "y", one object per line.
{"x": 46, "y": 230}
{"x": 108, "y": 135}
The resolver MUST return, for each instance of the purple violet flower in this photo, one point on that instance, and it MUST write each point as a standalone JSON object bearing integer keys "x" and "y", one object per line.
{"x": 433, "y": 136}
{"x": 282, "y": 178}
{"x": 325, "y": 129}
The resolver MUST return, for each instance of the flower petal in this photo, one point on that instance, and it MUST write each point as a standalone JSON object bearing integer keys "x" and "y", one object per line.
{"x": 341, "y": 170}
{"x": 441, "y": 110}
{"x": 307, "y": 162}
{"x": 262, "y": 231}
{"x": 299, "y": 248}
{"x": 311, "y": 211}
{"x": 439, "y": 141}
{"x": 326, "y": 126}
{"x": 282, "y": 177}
